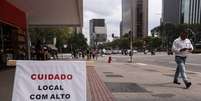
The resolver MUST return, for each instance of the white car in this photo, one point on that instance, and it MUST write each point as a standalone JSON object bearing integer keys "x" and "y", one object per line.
{"x": 116, "y": 51}
{"x": 134, "y": 51}
{"x": 108, "y": 52}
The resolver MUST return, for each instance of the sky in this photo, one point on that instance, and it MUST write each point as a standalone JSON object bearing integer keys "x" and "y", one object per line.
{"x": 111, "y": 11}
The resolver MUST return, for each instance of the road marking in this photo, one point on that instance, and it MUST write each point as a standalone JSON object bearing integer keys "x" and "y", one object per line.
{"x": 142, "y": 64}
{"x": 193, "y": 64}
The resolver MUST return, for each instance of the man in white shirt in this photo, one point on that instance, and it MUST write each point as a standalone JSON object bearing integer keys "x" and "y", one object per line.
{"x": 181, "y": 47}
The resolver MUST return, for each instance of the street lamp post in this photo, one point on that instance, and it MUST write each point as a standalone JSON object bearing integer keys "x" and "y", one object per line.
{"x": 28, "y": 41}
{"x": 131, "y": 33}
{"x": 2, "y": 40}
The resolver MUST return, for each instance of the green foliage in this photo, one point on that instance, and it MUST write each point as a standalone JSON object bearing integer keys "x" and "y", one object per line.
{"x": 152, "y": 42}
{"x": 138, "y": 43}
{"x": 124, "y": 43}
{"x": 169, "y": 32}
{"x": 64, "y": 36}
{"x": 46, "y": 35}
{"x": 156, "y": 42}
{"x": 78, "y": 41}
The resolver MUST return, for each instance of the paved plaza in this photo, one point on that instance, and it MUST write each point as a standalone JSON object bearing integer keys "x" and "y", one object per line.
{"x": 143, "y": 80}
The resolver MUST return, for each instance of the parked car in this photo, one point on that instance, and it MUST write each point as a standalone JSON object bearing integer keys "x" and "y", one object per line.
{"x": 108, "y": 52}
{"x": 134, "y": 51}
{"x": 116, "y": 51}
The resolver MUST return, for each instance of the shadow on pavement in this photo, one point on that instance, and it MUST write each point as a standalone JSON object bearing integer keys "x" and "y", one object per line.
{"x": 166, "y": 84}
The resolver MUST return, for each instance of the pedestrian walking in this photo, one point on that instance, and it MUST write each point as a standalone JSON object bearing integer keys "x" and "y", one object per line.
{"x": 45, "y": 52}
{"x": 94, "y": 53}
{"x": 181, "y": 47}
{"x": 38, "y": 49}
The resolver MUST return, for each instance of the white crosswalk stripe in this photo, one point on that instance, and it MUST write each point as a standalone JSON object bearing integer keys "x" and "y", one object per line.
{"x": 142, "y": 64}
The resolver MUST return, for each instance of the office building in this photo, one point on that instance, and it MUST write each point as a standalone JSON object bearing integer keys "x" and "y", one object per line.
{"x": 98, "y": 32}
{"x": 171, "y": 11}
{"x": 190, "y": 11}
{"x": 181, "y": 11}
{"x": 135, "y": 17}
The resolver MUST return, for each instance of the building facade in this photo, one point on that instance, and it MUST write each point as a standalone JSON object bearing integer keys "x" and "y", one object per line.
{"x": 18, "y": 16}
{"x": 171, "y": 14}
{"x": 191, "y": 11}
{"x": 135, "y": 17}
{"x": 181, "y": 11}
{"x": 98, "y": 32}
{"x": 121, "y": 29}
{"x": 13, "y": 36}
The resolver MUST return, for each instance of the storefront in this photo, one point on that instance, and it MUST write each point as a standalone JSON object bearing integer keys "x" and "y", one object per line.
{"x": 13, "y": 44}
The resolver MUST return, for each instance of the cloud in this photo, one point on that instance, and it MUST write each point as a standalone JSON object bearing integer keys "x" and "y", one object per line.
{"x": 101, "y": 7}
{"x": 155, "y": 9}
{"x": 111, "y": 11}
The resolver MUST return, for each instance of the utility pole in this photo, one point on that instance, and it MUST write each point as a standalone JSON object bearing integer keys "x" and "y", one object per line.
{"x": 131, "y": 33}
{"x": 28, "y": 40}
{"x": 2, "y": 39}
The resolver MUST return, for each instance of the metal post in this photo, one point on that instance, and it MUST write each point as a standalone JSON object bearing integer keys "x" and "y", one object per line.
{"x": 29, "y": 46}
{"x": 28, "y": 40}
{"x": 2, "y": 40}
{"x": 131, "y": 33}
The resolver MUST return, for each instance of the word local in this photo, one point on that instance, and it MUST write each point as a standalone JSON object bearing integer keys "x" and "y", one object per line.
{"x": 51, "y": 76}
{"x": 50, "y": 87}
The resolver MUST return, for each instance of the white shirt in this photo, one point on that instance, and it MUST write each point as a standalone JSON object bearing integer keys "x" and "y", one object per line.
{"x": 179, "y": 44}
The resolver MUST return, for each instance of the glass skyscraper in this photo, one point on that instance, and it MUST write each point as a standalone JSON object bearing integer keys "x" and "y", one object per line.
{"x": 191, "y": 11}
{"x": 135, "y": 17}
{"x": 181, "y": 11}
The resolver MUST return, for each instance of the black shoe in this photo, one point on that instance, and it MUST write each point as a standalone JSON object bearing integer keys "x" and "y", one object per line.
{"x": 188, "y": 85}
{"x": 176, "y": 82}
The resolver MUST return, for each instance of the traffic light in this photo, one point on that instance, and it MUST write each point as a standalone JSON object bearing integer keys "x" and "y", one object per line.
{"x": 113, "y": 35}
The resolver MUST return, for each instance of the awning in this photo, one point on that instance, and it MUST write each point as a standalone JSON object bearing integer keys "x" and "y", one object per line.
{"x": 10, "y": 14}
{"x": 52, "y": 12}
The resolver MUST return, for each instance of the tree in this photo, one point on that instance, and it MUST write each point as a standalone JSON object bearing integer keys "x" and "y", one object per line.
{"x": 156, "y": 31}
{"x": 138, "y": 43}
{"x": 64, "y": 36}
{"x": 46, "y": 35}
{"x": 124, "y": 43}
{"x": 169, "y": 32}
{"x": 156, "y": 43}
{"x": 77, "y": 41}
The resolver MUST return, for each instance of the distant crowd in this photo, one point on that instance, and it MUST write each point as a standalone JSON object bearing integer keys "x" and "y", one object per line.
{"x": 43, "y": 52}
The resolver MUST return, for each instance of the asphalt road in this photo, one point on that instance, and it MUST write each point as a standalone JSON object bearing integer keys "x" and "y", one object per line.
{"x": 193, "y": 62}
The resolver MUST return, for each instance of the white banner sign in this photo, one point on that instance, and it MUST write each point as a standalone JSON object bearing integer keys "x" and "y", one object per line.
{"x": 50, "y": 81}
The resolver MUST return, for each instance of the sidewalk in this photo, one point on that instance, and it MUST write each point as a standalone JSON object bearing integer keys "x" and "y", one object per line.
{"x": 96, "y": 89}
{"x": 128, "y": 82}
{"x": 142, "y": 82}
